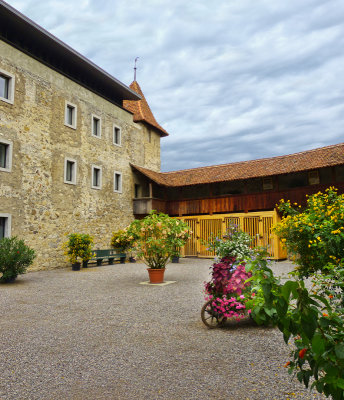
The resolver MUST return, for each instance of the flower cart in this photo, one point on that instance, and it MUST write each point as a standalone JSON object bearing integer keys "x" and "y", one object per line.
{"x": 227, "y": 293}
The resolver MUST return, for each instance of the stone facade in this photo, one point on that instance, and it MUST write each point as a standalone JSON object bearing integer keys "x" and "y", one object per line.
{"x": 43, "y": 208}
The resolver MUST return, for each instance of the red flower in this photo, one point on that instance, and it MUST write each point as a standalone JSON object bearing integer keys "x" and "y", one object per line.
{"x": 287, "y": 364}
{"x": 302, "y": 353}
{"x": 330, "y": 296}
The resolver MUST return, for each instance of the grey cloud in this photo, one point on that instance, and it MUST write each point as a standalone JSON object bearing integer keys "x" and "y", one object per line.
{"x": 229, "y": 81}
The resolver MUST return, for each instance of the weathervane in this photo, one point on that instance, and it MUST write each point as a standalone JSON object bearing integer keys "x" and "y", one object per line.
{"x": 135, "y": 68}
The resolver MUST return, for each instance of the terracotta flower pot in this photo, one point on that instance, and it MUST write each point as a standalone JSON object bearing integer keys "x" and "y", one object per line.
{"x": 156, "y": 275}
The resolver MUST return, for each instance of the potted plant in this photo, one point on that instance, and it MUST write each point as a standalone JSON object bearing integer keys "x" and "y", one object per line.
{"x": 175, "y": 255}
{"x": 122, "y": 241}
{"x": 78, "y": 248}
{"x": 156, "y": 237}
{"x": 15, "y": 257}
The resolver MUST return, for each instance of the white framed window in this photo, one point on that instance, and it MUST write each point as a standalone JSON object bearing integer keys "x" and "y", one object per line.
{"x": 117, "y": 182}
{"x": 6, "y": 149}
{"x": 70, "y": 115}
{"x": 96, "y": 177}
{"x": 5, "y": 225}
{"x": 96, "y": 126}
{"x": 70, "y": 171}
{"x": 117, "y": 135}
{"x": 6, "y": 86}
{"x": 313, "y": 177}
{"x": 268, "y": 184}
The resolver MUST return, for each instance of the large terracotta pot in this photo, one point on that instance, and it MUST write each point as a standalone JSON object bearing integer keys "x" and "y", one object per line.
{"x": 156, "y": 275}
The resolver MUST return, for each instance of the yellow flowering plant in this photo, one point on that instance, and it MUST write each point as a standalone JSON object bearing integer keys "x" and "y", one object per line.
{"x": 78, "y": 247}
{"x": 314, "y": 234}
{"x": 122, "y": 240}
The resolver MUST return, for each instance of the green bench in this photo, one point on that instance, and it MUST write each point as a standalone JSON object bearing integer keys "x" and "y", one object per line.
{"x": 108, "y": 254}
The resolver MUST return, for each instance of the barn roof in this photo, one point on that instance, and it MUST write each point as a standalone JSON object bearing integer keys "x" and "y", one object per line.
{"x": 265, "y": 167}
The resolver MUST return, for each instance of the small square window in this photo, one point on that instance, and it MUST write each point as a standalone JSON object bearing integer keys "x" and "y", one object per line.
{"x": 313, "y": 178}
{"x": 267, "y": 184}
{"x": 117, "y": 184}
{"x": 70, "y": 171}
{"x": 5, "y": 155}
{"x": 6, "y": 87}
{"x": 96, "y": 126}
{"x": 96, "y": 177}
{"x": 5, "y": 225}
{"x": 70, "y": 115}
{"x": 117, "y": 133}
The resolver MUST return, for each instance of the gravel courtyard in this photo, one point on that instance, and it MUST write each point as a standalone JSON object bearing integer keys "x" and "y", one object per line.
{"x": 100, "y": 334}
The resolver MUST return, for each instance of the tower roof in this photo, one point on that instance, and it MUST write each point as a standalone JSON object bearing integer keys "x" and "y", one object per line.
{"x": 141, "y": 109}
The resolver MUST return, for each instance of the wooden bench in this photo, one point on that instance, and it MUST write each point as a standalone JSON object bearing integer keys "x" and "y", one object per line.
{"x": 108, "y": 254}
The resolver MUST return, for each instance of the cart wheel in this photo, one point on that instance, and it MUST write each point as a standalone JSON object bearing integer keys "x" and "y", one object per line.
{"x": 210, "y": 317}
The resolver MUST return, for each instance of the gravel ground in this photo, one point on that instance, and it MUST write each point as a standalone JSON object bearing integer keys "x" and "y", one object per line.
{"x": 99, "y": 334}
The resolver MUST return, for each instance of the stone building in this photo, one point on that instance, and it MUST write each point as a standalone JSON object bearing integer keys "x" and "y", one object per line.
{"x": 68, "y": 134}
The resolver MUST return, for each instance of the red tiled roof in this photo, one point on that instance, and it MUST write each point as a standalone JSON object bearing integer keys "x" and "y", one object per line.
{"x": 141, "y": 109}
{"x": 303, "y": 161}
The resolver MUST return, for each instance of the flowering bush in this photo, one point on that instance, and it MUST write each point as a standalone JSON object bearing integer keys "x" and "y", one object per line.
{"x": 315, "y": 235}
{"x": 235, "y": 243}
{"x": 15, "y": 257}
{"x": 122, "y": 240}
{"x": 313, "y": 318}
{"x": 228, "y": 288}
{"x": 78, "y": 247}
{"x": 157, "y": 236}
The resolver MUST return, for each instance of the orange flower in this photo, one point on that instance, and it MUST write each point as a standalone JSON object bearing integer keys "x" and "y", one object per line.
{"x": 287, "y": 364}
{"x": 325, "y": 315}
{"x": 302, "y": 353}
{"x": 330, "y": 296}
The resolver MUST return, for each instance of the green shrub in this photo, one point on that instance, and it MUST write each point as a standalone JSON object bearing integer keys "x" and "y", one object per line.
{"x": 157, "y": 238}
{"x": 235, "y": 243}
{"x": 122, "y": 240}
{"x": 15, "y": 257}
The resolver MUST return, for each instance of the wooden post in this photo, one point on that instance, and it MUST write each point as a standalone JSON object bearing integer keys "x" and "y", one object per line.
{"x": 150, "y": 190}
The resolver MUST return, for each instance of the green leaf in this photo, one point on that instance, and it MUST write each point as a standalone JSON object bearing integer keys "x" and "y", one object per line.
{"x": 309, "y": 324}
{"x": 281, "y": 307}
{"x": 324, "y": 322}
{"x": 339, "y": 350}
{"x": 267, "y": 291}
{"x": 340, "y": 383}
{"x": 318, "y": 345}
{"x": 289, "y": 287}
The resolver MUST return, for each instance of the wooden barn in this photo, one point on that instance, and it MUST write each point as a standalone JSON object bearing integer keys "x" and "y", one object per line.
{"x": 244, "y": 193}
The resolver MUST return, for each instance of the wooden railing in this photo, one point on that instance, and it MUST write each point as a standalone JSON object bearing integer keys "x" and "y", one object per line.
{"x": 230, "y": 203}
{"x": 243, "y": 202}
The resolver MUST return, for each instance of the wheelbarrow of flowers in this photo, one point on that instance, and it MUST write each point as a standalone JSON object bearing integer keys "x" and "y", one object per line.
{"x": 228, "y": 294}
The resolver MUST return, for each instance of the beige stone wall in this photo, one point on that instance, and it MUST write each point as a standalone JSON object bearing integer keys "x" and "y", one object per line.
{"x": 43, "y": 207}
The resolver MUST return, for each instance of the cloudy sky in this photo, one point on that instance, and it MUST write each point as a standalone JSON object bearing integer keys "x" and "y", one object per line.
{"x": 229, "y": 80}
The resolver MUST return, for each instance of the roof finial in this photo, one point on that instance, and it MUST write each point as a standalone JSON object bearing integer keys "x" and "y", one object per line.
{"x": 135, "y": 68}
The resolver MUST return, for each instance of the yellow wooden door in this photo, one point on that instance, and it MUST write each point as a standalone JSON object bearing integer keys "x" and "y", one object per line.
{"x": 209, "y": 228}
{"x": 191, "y": 246}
